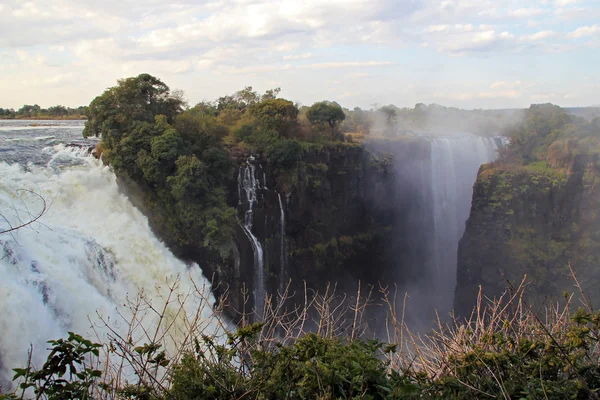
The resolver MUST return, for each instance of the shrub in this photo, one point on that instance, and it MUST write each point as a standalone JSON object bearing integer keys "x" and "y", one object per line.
{"x": 284, "y": 153}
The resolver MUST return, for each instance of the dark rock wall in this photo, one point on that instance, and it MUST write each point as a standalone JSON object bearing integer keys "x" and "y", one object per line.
{"x": 352, "y": 213}
{"x": 532, "y": 221}
{"x": 348, "y": 213}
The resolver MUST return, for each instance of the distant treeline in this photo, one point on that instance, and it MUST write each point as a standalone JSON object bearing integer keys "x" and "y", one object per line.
{"x": 37, "y": 112}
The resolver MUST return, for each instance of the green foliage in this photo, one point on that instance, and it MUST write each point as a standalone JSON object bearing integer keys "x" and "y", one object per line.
{"x": 311, "y": 367}
{"x": 36, "y": 112}
{"x": 549, "y": 133}
{"x": 507, "y": 351}
{"x": 276, "y": 115}
{"x": 65, "y": 374}
{"x": 540, "y": 364}
{"x": 284, "y": 153}
{"x": 179, "y": 155}
{"x": 245, "y": 132}
{"x": 337, "y": 251}
{"x": 134, "y": 99}
{"x": 325, "y": 112}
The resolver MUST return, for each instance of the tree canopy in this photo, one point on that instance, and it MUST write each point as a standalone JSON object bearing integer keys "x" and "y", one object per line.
{"x": 326, "y": 112}
{"x": 137, "y": 99}
{"x": 178, "y": 155}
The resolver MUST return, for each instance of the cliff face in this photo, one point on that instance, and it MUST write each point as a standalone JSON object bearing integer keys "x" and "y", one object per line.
{"x": 344, "y": 214}
{"x": 338, "y": 217}
{"x": 533, "y": 220}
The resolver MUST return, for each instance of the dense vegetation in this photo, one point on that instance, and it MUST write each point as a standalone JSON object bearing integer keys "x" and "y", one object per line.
{"x": 549, "y": 133}
{"x": 534, "y": 211}
{"x": 506, "y": 350}
{"x": 182, "y": 154}
{"x": 36, "y": 112}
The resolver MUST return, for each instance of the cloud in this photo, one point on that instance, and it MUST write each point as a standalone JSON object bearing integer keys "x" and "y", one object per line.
{"x": 562, "y": 3}
{"x": 538, "y": 36}
{"x": 474, "y": 42}
{"x": 526, "y": 12}
{"x": 221, "y": 45}
{"x": 502, "y": 84}
{"x": 298, "y": 56}
{"x": 584, "y": 31}
{"x": 357, "y": 75}
{"x": 346, "y": 64}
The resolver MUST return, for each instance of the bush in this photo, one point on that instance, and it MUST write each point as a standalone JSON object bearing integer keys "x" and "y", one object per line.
{"x": 285, "y": 153}
{"x": 505, "y": 350}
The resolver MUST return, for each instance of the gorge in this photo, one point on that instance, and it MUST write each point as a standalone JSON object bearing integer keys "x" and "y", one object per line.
{"x": 386, "y": 212}
{"x": 276, "y": 205}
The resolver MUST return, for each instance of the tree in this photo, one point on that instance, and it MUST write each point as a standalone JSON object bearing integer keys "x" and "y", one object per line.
{"x": 275, "y": 114}
{"x": 141, "y": 98}
{"x": 58, "y": 111}
{"x": 29, "y": 110}
{"x": 271, "y": 94}
{"x": 239, "y": 100}
{"x": 325, "y": 112}
{"x": 390, "y": 114}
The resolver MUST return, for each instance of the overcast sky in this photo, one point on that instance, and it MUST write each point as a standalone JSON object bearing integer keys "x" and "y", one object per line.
{"x": 465, "y": 53}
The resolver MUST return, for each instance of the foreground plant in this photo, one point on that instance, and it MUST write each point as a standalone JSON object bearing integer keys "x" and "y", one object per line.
{"x": 323, "y": 350}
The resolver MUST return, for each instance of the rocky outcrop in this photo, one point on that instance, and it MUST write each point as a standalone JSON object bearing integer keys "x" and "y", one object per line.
{"x": 532, "y": 220}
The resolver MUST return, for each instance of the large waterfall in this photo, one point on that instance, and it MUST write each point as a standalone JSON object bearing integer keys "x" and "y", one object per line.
{"x": 88, "y": 256}
{"x": 455, "y": 161}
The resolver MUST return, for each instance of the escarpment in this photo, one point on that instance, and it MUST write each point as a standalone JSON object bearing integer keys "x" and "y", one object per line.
{"x": 538, "y": 220}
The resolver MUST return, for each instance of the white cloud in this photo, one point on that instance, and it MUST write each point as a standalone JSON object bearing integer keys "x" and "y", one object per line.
{"x": 346, "y": 64}
{"x": 538, "y": 36}
{"x": 526, "y": 12}
{"x": 479, "y": 41}
{"x": 298, "y": 56}
{"x": 221, "y": 44}
{"x": 584, "y": 31}
{"x": 357, "y": 75}
{"x": 503, "y": 84}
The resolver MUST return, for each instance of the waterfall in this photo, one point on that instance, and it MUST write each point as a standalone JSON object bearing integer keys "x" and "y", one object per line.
{"x": 282, "y": 250}
{"x": 91, "y": 253}
{"x": 455, "y": 162}
{"x": 249, "y": 185}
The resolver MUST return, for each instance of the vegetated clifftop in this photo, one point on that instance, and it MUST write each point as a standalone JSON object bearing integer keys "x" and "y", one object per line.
{"x": 535, "y": 213}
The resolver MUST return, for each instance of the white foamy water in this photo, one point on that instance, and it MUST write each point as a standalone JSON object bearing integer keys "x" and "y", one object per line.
{"x": 88, "y": 255}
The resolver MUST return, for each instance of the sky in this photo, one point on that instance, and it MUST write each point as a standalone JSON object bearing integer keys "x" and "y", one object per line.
{"x": 462, "y": 53}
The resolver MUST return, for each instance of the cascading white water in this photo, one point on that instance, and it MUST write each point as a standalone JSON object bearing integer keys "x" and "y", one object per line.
{"x": 90, "y": 254}
{"x": 455, "y": 162}
{"x": 282, "y": 249}
{"x": 248, "y": 183}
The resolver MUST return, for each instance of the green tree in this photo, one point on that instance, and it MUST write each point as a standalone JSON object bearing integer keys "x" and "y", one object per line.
{"x": 271, "y": 94}
{"x": 325, "y": 112}
{"x": 175, "y": 157}
{"x": 276, "y": 114}
{"x": 141, "y": 98}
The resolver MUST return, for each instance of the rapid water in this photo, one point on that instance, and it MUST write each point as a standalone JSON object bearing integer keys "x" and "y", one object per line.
{"x": 86, "y": 258}
{"x": 455, "y": 162}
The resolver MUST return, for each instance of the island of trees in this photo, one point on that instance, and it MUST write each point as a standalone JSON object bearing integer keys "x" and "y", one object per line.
{"x": 36, "y": 112}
